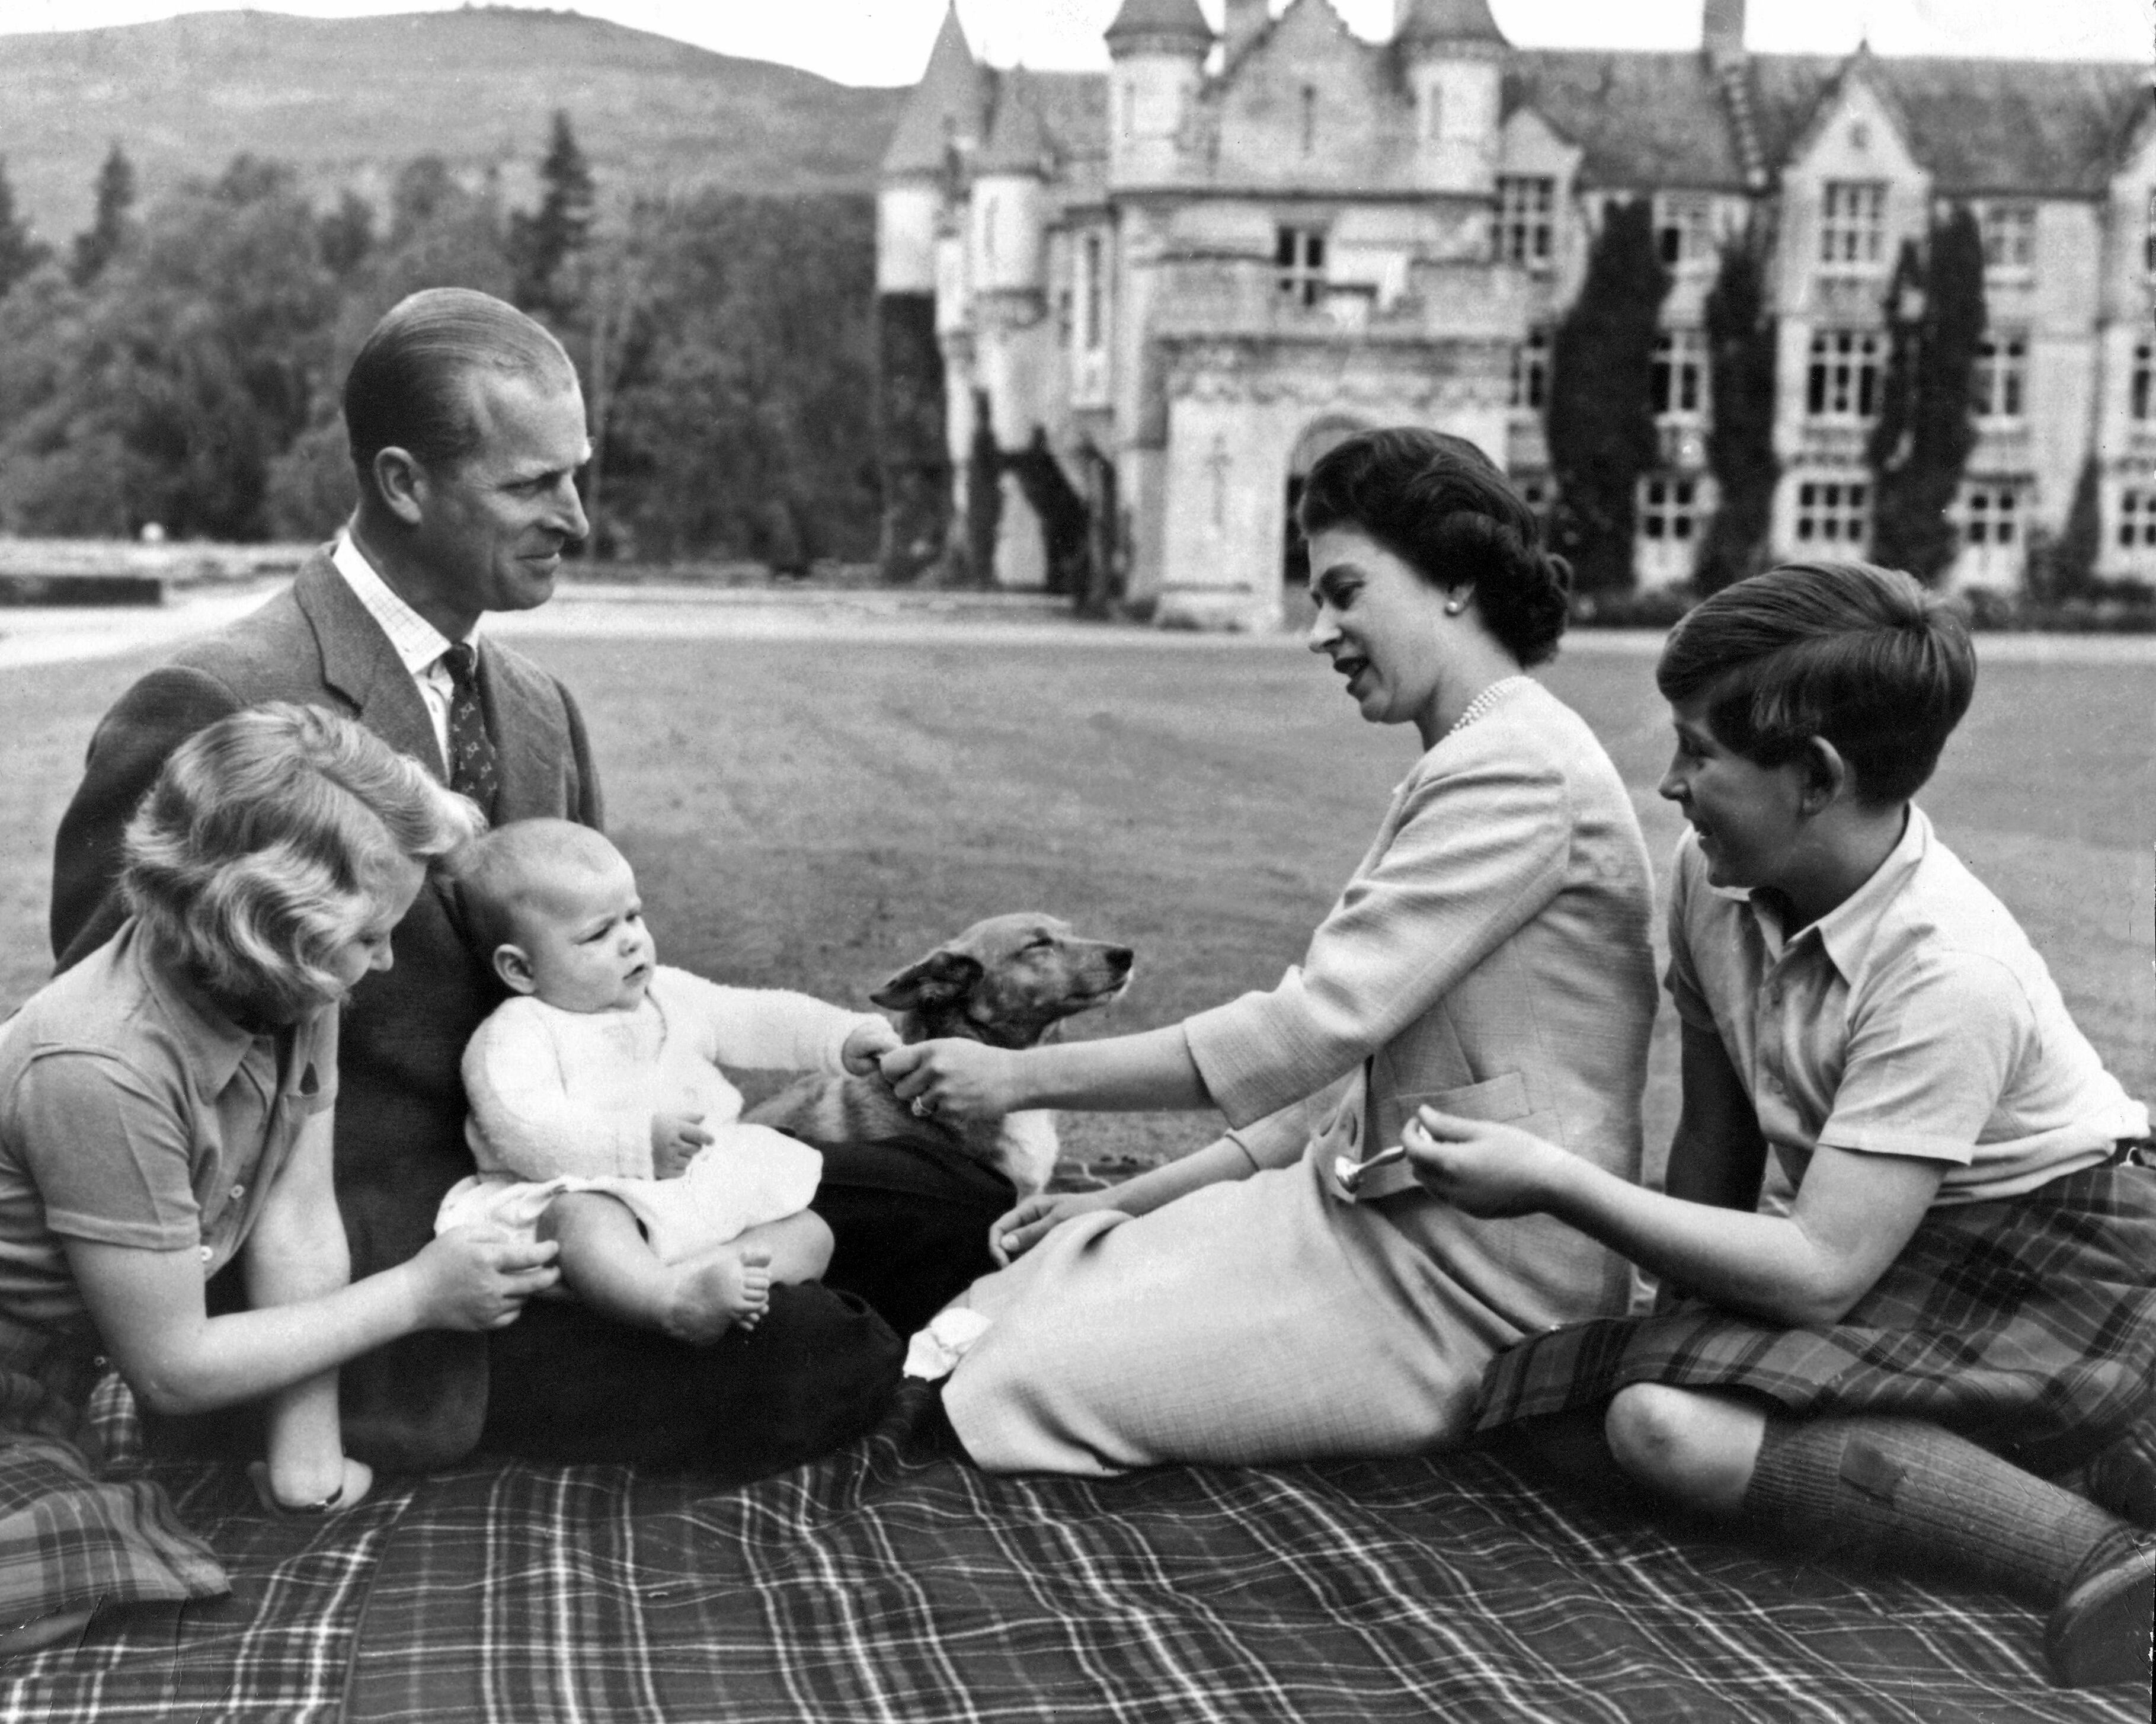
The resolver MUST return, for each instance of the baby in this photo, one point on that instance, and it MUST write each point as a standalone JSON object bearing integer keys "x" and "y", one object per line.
{"x": 599, "y": 1117}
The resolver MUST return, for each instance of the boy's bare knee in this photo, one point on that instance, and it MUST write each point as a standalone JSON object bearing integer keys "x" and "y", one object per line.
{"x": 1697, "y": 1448}
{"x": 1652, "y": 1432}
{"x": 575, "y": 1212}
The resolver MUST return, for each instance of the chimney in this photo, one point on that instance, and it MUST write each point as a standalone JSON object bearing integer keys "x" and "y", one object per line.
{"x": 1244, "y": 20}
{"x": 1722, "y": 30}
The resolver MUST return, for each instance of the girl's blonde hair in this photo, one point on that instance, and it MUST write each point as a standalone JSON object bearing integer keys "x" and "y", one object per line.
{"x": 262, "y": 847}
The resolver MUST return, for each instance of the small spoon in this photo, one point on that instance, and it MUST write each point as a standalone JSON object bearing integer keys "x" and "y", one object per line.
{"x": 1349, "y": 1172}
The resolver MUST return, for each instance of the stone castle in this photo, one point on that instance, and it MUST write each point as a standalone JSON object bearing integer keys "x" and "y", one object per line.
{"x": 1187, "y": 278}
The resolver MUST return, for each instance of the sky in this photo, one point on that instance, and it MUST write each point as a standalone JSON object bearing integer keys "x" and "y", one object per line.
{"x": 887, "y": 41}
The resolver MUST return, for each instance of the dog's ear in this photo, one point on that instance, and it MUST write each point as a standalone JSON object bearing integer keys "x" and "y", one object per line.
{"x": 941, "y": 977}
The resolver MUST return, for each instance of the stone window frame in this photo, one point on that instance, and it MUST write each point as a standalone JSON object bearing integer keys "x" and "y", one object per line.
{"x": 1988, "y": 512}
{"x": 1844, "y": 368}
{"x": 1852, "y": 227}
{"x": 2008, "y": 229}
{"x": 1531, "y": 369}
{"x": 1680, "y": 376}
{"x": 1671, "y": 508}
{"x": 2134, "y": 525}
{"x": 1523, "y": 221}
{"x": 1299, "y": 263}
{"x": 1833, "y": 512}
{"x": 1686, "y": 238}
{"x": 1999, "y": 379}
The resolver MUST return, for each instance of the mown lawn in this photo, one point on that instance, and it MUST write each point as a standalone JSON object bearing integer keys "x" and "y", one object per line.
{"x": 815, "y": 813}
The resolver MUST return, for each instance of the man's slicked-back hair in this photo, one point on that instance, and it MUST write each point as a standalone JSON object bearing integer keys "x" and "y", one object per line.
{"x": 1861, "y": 655}
{"x": 406, "y": 389}
{"x": 1440, "y": 505}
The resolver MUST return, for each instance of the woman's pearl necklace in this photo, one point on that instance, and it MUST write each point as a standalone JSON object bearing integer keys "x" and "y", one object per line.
{"x": 1481, "y": 706}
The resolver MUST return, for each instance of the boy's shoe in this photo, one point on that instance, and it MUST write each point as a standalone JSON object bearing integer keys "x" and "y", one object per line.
{"x": 2100, "y": 1631}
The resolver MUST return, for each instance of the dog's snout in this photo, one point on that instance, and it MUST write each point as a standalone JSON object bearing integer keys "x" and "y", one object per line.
{"x": 1121, "y": 958}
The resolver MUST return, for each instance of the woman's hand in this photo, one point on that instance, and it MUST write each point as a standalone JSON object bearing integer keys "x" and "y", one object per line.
{"x": 866, "y": 1044}
{"x": 955, "y": 1079}
{"x": 1012, "y": 1235}
{"x": 478, "y": 1277}
{"x": 1487, "y": 1170}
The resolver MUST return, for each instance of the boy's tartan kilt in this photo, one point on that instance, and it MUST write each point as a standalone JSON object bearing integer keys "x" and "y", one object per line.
{"x": 2027, "y": 1324}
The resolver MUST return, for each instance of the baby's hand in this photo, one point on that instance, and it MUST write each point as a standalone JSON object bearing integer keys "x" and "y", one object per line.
{"x": 866, "y": 1044}
{"x": 675, "y": 1138}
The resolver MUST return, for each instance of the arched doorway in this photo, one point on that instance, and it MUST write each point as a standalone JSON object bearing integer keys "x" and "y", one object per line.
{"x": 1318, "y": 440}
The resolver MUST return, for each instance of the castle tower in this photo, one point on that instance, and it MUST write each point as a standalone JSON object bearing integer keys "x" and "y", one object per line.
{"x": 938, "y": 133}
{"x": 1454, "y": 56}
{"x": 1014, "y": 350}
{"x": 938, "y": 130}
{"x": 1158, "y": 49}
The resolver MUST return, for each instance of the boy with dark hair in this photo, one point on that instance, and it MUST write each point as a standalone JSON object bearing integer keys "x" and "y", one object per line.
{"x": 1961, "y": 1304}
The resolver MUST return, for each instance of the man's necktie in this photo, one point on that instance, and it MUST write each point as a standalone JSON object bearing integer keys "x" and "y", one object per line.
{"x": 474, "y": 769}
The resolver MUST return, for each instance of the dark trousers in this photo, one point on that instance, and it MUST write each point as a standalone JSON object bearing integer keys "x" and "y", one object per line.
{"x": 910, "y": 1222}
{"x": 563, "y": 1384}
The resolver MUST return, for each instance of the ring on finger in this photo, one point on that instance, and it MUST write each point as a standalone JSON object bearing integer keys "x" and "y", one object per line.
{"x": 923, "y": 1108}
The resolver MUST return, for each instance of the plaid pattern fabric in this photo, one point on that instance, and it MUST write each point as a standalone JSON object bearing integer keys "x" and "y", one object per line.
{"x": 69, "y": 1537}
{"x": 2028, "y": 1324}
{"x": 892, "y": 1581}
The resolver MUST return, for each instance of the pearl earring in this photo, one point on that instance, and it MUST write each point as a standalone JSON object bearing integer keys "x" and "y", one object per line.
{"x": 1453, "y": 606}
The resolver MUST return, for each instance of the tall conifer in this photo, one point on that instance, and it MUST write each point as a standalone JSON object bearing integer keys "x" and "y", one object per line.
{"x": 1601, "y": 421}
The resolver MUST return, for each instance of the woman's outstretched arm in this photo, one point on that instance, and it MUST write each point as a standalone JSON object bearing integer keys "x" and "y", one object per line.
{"x": 1149, "y": 1072}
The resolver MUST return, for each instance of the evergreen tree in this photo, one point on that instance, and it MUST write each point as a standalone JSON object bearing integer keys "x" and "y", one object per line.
{"x": 1600, "y": 419}
{"x": 2065, "y": 567}
{"x": 20, "y": 252}
{"x": 551, "y": 236}
{"x": 346, "y": 234}
{"x": 114, "y": 222}
{"x": 1741, "y": 339}
{"x": 1921, "y": 444}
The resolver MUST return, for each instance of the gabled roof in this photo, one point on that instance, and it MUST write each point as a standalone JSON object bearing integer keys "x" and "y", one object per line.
{"x": 950, "y": 103}
{"x": 1640, "y": 119}
{"x": 1175, "y": 20}
{"x": 1450, "y": 20}
{"x": 1017, "y": 142}
{"x": 2038, "y": 127}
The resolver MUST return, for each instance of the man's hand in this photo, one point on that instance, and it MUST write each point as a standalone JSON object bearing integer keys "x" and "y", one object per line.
{"x": 478, "y": 1277}
{"x": 866, "y": 1045}
{"x": 954, "y": 1079}
{"x": 675, "y": 1138}
{"x": 1487, "y": 1170}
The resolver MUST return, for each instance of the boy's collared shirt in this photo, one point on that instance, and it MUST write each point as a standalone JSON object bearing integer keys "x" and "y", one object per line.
{"x": 1915, "y": 1019}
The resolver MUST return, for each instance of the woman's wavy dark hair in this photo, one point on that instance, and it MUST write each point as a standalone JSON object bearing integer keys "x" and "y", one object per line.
{"x": 261, "y": 848}
{"x": 1440, "y": 505}
{"x": 1861, "y": 655}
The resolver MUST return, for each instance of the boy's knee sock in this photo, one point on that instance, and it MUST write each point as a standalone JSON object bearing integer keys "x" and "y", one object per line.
{"x": 1870, "y": 1487}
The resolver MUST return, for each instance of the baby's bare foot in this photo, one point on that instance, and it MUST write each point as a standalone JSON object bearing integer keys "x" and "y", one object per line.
{"x": 714, "y": 1294}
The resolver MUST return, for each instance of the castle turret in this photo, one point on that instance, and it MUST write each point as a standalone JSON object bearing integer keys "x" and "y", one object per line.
{"x": 1454, "y": 56}
{"x": 1158, "y": 47}
{"x": 1008, "y": 177}
{"x": 1244, "y": 22}
{"x": 939, "y": 129}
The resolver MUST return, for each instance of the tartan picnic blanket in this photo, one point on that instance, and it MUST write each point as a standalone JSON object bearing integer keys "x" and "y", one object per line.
{"x": 892, "y": 1581}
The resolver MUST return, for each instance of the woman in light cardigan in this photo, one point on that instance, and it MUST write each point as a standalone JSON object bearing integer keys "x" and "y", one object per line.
{"x": 1490, "y": 957}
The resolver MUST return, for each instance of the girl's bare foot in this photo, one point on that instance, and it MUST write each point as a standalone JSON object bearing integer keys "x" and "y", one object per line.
{"x": 714, "y": 1294}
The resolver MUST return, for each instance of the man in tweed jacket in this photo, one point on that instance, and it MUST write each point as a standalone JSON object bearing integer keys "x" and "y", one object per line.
{"x": 467, "y": 427}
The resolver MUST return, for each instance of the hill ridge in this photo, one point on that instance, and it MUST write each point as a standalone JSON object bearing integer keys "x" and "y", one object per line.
{"x": 347, "y": 101}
